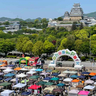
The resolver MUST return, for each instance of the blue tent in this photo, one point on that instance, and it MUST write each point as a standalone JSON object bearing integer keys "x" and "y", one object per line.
{"x": 47, "y": 78}
{"x": 9, "y": 75}
{"x": 49, "y": 95}
{"x": 8, "y": 79}
{"x": 60, "y": 84}
{"x": 39, "y": 70}
{"x": 55, "y": 74}
{"x": 86, "y": 73}
{"x": 26, "y": 93}
{"x": 11, "y": 65}
{"x": 94, "y": 77}
{"x": 73, "y": 76}
{"x": 81, "y": 77}
{"x": 48, "y": 70}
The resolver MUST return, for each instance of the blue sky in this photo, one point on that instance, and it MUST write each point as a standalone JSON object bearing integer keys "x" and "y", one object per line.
{"x": 41, "y": 8}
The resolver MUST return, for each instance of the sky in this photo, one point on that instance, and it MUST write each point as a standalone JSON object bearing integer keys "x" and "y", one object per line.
{"x": 42, "y": 8}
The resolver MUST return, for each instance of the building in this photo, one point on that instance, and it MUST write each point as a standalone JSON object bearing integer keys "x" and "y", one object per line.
{"x": 12, "y": 27}
{"x": 75, "y": 14}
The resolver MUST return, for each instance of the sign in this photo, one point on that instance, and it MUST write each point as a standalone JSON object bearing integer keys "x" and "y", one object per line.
{"x": 66, "y": 52}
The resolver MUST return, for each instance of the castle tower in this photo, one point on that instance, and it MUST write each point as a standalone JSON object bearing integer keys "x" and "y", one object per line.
{"x": 66, "y": 16}
{"x": 76, "y": 12}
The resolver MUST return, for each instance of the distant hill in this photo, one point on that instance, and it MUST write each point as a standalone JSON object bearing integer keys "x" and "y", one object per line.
{"x": 92, "y": 14}
{"x": 18, "y": 19}
{"x": 5, "y": 19}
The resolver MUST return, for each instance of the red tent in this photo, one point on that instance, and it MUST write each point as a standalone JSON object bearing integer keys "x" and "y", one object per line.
{"x": 34, "y": 87}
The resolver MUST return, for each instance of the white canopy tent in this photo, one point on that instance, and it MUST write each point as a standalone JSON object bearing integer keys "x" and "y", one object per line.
{"x": 22, "y": 75}
{"x": 7, "y": 70}
{"x": 24, "y": 69}
{"x": 73, "y": 92}
{"x": 67, "y": 80}
{"x": 19, "y": 85}
{"x": 7, "y": 92}
{"x": 89, "y": 87}
{"x": 89, "y": 81}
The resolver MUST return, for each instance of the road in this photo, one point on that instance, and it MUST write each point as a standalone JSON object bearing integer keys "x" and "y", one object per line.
{"x": 86, "y": 63}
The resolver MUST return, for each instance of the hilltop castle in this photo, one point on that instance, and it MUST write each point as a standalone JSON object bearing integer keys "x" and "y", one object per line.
{"x": 75, "y": 14}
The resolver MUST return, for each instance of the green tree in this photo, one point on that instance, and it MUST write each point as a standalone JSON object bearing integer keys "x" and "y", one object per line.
{"x": 81, "y": 34}
{"x": 21, "y": 42}
{"x": 36, "y": 21}
{"x": 81, "y": 26}
{"x": 6, "y": 23}
{"x": 74, "y": 26}
{"x": 6, "y": 46}
{"x": 78, "y": 46}
{"x": 60, "y": 19}
{"x": 28, "y": 46}
{"x": 50, "y": 38}
{"x": 48, "y": 47}
{"x": 63, "y": 44}
{"x": 38, "y": 48}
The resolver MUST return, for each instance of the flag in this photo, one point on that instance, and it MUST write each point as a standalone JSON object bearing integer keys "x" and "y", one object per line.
{"x": 16, "y": 80}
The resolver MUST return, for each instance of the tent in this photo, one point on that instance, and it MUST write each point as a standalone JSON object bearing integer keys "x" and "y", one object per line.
{"x": 17, "y": 69}
{"x": 92, "y": 74}
{"x": 5, "y": 84}
{"x": 49, "y": 89}
{"x": 7, "y": 70}
{"x": 1, "y": 74}
{"x": 34, "y": 77}
{"x": 41, "y": 83}
{"x": 85, "y": 73}
{"x": 67, "y": 79}
{"x": 24, "y": 69}
{"x": 44, "y": 74}
{"x": 3, "y": 67}
{"x": 60, "y": 84}
{"x": 89, "y": 81}
{"x": 73, "y": 76}
{"x": 73, "y": 92}
{"x": 22, "y": 75}
{"x": 75, "y": 82}
{"x": 7, "y": 92}
{"x": 34, "y": 87}
{"x": 89, "y": 87}
{"x": 23, "y": 81}
{"x": 26, "y": 93}
{"x": 48, "y": 70}
{"x": 9, "y": 75}
{"x": 19, "y": 85}
{"x": 8, "y": 79}
{"x": 55, "y": 71}
{"x": 54, "y": 79}
{"x": 83, "y": 93}
{"x": 39, "y": 70}
{"x": 55, "y": 74}
{"x": 94, "y": 77}
{"x": 81, "y": 77}
{"x": 62, "y": 75}
{"x": 48, "y": 83}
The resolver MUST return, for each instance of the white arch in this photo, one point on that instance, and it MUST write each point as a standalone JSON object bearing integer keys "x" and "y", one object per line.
{"x": 66, "y": 52}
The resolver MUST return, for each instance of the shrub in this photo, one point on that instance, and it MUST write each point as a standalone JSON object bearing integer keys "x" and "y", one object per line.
{"x": 83, "y": 58}
{"x": 49, "y": 58}
{"x": 11, "y": 56}
{"x": 70, "y": 59}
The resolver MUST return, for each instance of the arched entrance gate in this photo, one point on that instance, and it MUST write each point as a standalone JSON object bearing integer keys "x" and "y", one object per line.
{"x": 66, "y": 52}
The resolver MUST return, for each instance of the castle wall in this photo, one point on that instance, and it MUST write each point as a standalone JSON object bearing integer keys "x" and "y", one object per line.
{"x": 76, "y": 18}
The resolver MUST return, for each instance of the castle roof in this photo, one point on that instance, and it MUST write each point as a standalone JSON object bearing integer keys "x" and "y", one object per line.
{"x": 66, "y": 14}
{"x": 76, "y": 11}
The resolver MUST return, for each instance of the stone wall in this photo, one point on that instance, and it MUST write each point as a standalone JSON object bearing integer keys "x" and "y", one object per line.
{"x": 76, "y": 18}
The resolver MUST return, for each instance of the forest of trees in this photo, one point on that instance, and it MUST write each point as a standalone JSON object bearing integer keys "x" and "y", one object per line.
{"x": 50, "y": 40}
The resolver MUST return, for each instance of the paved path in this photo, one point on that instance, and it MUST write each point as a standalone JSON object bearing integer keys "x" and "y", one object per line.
{"x": 86, "y": 64}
